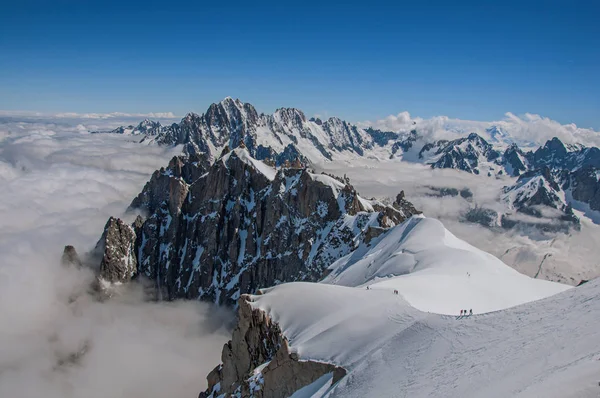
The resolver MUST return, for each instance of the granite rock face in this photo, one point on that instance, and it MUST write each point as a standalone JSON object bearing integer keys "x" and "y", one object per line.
{"x": 117, "y": 245}
{"x": 217, "y": 232}
{"x": 170, "y": 184}
{"x": 256, "y": 342}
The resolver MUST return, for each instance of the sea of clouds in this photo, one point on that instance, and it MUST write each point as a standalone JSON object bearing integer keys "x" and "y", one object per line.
{"x": 58, "y": 186}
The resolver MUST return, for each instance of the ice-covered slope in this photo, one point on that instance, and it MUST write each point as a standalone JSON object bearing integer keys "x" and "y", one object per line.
{"x": 546, "y": 348}
{"x": 437, "y": 272}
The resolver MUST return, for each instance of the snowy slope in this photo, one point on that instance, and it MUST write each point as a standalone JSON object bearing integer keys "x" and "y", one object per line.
{"x": 437, "y": 272}
{"x": 546, "y": 348}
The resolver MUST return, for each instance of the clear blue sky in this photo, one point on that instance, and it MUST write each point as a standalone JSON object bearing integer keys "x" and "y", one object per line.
{"x": 358, "y": 60}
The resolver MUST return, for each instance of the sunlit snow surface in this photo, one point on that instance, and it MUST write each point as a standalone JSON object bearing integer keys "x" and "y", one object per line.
{"x": 437, "y": 272}
{"x": 545, "y": 347}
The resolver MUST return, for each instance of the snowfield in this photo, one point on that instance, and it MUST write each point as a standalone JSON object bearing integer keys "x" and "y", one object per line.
{"x": 546, "y": 348}
{"x": 535, "y": 339}
{"x": 437, "y": 272}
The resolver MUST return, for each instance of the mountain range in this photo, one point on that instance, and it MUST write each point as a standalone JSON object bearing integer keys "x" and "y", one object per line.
{"x": 553, "y": 176}
{"x": 333, "y": 289}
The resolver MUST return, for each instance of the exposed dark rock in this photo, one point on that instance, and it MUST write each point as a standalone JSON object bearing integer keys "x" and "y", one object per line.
{"x": 373, "y": 232}
{"x": 170, "y": 185}
{"x": 70, "y": 257}
{"x": 382, "y": 138}
{"x": 466, "y": 193}
{"x": 257, "y": 340}
{"x": 242, "y": 225}
{"x": 462, "y": 154}
{"x": 584, "y": 185}
{"x": 515, "y": 160}
{"x": 483, "y": 216}
{"x": 117, "y": 244}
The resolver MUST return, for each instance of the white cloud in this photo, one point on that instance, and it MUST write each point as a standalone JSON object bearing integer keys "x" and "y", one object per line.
{"x": 58, "y": 188}
{"x": 528, "y": 129}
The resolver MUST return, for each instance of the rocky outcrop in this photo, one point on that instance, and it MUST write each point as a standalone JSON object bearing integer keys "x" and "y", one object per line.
{"x": 441, "y": 192}
{"x": 584, "y": 186}
{"x": 258, "y": 362}
{"x": 117, "y": 245}
{"x": 217, "y": 232}
{"x": 169, "y": 185}
{"x": 515, "y": 161}
{"x": 483, "y": 216}
{"x": 70, "y": 257}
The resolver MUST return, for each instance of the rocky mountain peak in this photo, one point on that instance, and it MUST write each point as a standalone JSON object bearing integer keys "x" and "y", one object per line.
{"x": 216, "y": 232}
{"x": 290, "y": 117}
{"x": 468, "y": 154}
{"x": 119, "y": 263}
{"x": 190, "y": 116}
{"x": 552, "y": 152}
{"x": 515, "y": 160}
{"x": 70, "y": 257}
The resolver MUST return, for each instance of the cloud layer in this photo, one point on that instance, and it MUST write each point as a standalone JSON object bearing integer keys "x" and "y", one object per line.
{"x": 59, "y": 186}
{"x": 527, "y": 130}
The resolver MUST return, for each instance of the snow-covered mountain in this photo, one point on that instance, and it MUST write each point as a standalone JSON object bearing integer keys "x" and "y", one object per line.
{"x": 386, "y": 322}
{"x": 472, "y": 154}
{"x": 553, "y": 180}
{"x": 435, "y": 271}
{"x": 566, "y": 176}
{"x": 537, "y": 194}
{"x": 214, "y": 232}
{"x": 287, "y": 134}
{"x": 283, "y": 136}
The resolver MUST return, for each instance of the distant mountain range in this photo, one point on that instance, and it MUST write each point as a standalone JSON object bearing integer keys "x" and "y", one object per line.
{"x": 555, "y": 175}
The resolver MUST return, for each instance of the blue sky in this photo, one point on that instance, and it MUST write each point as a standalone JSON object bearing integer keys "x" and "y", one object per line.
{"x": 357, "y": 60}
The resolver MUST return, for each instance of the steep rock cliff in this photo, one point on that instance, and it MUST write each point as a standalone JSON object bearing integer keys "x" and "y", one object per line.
{"x": 216, "y": 232}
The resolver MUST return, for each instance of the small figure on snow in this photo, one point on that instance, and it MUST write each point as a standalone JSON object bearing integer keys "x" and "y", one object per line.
{"x": 471, "y": 311}
{"x": 461, "y": 312}
{"x": 367, "y": 287}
